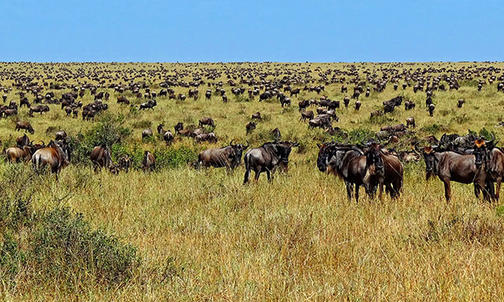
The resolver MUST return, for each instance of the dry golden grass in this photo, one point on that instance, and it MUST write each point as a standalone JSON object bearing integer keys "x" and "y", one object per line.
{"x": 202, "y": 235}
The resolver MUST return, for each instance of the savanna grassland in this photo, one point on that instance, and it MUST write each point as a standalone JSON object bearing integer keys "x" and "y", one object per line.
{"x": 184, "y": 234}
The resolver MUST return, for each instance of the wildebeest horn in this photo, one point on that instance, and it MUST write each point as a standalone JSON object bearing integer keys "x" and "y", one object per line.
{"x": 246, "y": 146}
{"x": 231, "y": 142}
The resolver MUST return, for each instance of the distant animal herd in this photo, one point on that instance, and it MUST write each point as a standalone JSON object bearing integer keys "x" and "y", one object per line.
{"x": 469, "y": 159}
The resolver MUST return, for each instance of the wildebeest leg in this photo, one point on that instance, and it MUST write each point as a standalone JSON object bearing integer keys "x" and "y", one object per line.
{"x": 268, "y": 173}
{"x": 476, "y": 190}
{"x": 497, "y": 188}
{"x": 380, "y": 191}
{"x": 357, "y": 192}
{"x": 349, "y": 188}
{"x": 257, "y": 174}
{"x": 447, "y": 189}
{"x": 246, "y": 177}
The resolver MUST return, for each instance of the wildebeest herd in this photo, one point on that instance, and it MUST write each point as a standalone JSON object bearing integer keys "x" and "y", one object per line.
{"x": 325, "y": 97}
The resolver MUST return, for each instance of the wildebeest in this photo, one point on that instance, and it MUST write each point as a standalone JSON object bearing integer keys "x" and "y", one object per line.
{"x": 207, "y": 121}
{"x": 55, "y": 155}
{"x": 277, "y": 135}
{"x": 25, "y": 126}
{"x": 490, "y": 158}
{"x": 124, "y": 163}
{"x": 123, "y": 100}
{"x": 229, "y": 156}
{"x": 60, "y": 135}
{"x": 383, "y": 169}
{"x": 431, "y": 109}
{"x": 16, "y": 154}
{"x": 451, "y": 166}
{"x": 460, "y": 103}
{"x": 346, "y": 162}
{"x": 22, "y": 141}
{"x": 148, "y": 105}
{"x": 206, "y": 137}
{"x": 148, "y": 162}
{"x": 100, "y": 157}
{"x": 307, "y": 115}
{"x": 257, "y": 116}
{"x": 38, "y": 108}
{"x": 358, "y": 104}
{"x": 250, "y": 126}
{"x": 146, "y": 133}
{"x": 410, "y": 122}
{"x": 267, "y": 158}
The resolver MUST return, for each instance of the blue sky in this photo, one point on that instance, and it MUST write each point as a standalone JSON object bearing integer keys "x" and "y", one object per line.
{"x": 284, "y": 31}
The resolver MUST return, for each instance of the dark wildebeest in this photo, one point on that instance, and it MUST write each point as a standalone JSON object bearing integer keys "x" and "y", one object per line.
{"x": 148, "y": 162}
{"x": 100, "y": 157}
{"x": 492, "y": 159}
{"x": 451, "y": 166}
{"x": 276, "y": 134}
{"x": 60, "y": 135}
{"x": 460, "y": 103}
{"x": 358, "y": 104}
{"x": 22, "y": 141}
{"x": 267, "y": 158}
{"x": 208, "y": 121}
{"x": 148, "y": 105}
{"x": 38, "y": 108}
{"x": 431, "y": 109}
{"x": 257, "y": 116}
{"x": 250, "y": 126}
{"x": 124, "y": 163}
{"x": 346, "y": 101}
{"x": 229, "y": 156}
{"x": 168, "y": 137}
{"x": 383, "y": 169}
{"x": 346, "y": 162}
{"x": 55, "y": 155}
{"x": 25, "y": 126}
{"x": 410, "y": 122}
{"x": 16, "y": 154}
{"x": 122, "y": 100}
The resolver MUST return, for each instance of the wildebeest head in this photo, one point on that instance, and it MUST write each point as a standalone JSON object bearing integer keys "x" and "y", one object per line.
{"x": 431, "y": 163}
{"x": 237, "y": 153}
{"x": 479, "y": 152}
{"x": 373, "y": 158}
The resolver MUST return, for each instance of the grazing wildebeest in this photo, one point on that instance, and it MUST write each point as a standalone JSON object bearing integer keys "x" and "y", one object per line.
{"x": 25, "y": 126}
{"x": 100, "y": 157}
{"x": 358, "y": 104}
{"x": 410, "y": 122}
{"x": 123, "y": 100}
{"x": 307, "y": 115}
{"x": 229, "y": 156}
{"x": 208, "y": 121}
{"x": 16, "y": 154}
{"x": 460, "y": 103}
{"x": 148, "y": 162}
{"x": 148, "y": 105}
{"x": 250, "y": 126}
{"x": 168, "y": 137}
{"x": 346, "y": 101}
{"x": 206, "y": 137}
{"x": 431, "y": 109}
{"x": 276, "y": 134}
{"x": 267, "y": 158}
{"x": 451, "y": 166}
{"x": 383, "y": 169}
{"x": 60, "y": 135}
{"x": 22, "y": 141}
{"x": 257, "y": 116}
{"x": 38, "y": 108}
{"x": 147, "y": 133}
{"x": 55, "y": 155}
{"x": 124, "y": 163}
{"x": 346, "y": 162}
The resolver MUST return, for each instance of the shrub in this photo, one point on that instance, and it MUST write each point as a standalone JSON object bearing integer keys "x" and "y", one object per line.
{"x": 64, "y": 246}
